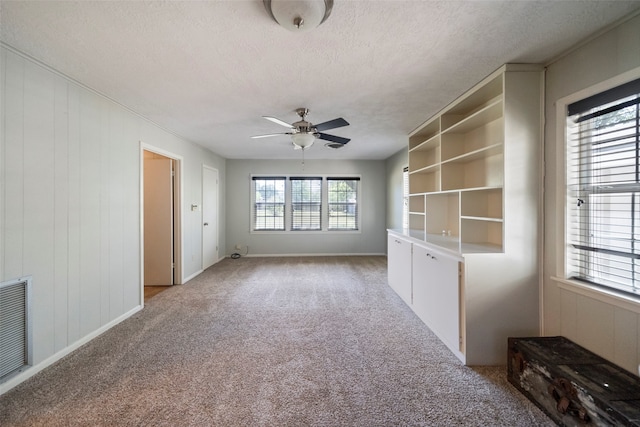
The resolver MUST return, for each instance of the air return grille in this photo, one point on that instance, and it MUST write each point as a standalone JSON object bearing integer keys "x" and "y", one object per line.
{"x": 15, "y": 327}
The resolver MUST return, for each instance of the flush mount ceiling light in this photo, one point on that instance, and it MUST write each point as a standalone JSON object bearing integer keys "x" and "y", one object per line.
{"x": 299, "y": 15}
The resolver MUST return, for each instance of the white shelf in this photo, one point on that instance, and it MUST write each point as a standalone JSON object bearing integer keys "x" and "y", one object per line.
{"x": 427, "y": 145}
{"x": 489, "y": 151}
{"x": 487, "y": 114}
{"x": 479, "y": 248}
{"x": 427, "y": 169}
{"x": 424, "y": 134}
{"x": 480, "y": 218}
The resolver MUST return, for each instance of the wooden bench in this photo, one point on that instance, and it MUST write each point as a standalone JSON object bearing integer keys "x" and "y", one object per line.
{"x": 572, "y": 385}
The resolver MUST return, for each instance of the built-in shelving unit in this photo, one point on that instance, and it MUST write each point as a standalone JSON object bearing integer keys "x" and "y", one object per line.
{"x": 474, "y": 184}
{"x": 459, "y": 154}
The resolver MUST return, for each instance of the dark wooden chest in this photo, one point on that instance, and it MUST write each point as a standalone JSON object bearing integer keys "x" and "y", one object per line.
{"x": 574, "y": 386}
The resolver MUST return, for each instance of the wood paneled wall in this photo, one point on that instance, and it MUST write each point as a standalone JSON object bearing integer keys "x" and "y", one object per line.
{"x": 70, "y": 203}
{"x": 70, "y": 187}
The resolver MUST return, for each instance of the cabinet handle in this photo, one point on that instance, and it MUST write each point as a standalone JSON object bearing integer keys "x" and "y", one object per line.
{"x": 432, "y": 257}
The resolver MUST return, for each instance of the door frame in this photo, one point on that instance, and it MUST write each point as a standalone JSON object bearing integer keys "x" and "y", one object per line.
{"x": 177, "y": 219}
{"x": 204, "y": 166}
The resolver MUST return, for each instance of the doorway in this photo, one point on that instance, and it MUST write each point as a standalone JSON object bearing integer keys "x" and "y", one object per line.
{"x": 161, "y": 234}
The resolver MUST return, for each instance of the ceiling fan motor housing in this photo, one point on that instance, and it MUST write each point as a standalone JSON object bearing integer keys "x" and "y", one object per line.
{"x": 304, "y": 126}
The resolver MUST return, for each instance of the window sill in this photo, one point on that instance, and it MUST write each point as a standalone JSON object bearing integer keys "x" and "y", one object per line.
{"x": 607, "y": 296}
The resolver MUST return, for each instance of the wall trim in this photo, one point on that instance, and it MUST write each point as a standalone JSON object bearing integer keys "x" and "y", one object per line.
{"x": 186, "y": 279}
{"x": 31, "y": 371}
{"x": 294, "y": 255}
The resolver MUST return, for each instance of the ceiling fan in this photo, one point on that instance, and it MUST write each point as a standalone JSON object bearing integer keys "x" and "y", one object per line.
{"x": 303, "y": 133}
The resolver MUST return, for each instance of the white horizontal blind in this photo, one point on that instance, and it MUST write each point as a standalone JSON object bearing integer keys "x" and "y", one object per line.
{"x": 603, "y": 194}
{"x": 306, "y": 203}
{"x": 343, "y": 203}
{"x": 268, "y": 203}
{"x": 405, "y": 197}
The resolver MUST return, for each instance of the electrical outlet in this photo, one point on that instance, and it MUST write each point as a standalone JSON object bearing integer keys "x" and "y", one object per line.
{"x": 238, "y": 246}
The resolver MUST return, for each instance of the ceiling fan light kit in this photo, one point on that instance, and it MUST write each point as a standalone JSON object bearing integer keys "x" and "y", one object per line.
{"x": 303, "y": 133}
{"x": 299, "y": 15}
{"x": 303, "y": 140}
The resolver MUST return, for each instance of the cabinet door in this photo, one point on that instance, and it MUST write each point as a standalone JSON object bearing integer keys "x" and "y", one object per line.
{"x": 399, "y": 266}
{"x": 436, "y": 294}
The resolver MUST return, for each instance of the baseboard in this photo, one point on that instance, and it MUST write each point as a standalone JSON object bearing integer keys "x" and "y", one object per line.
{"x": 186, "y": 279}
{"x": 310, "y": 255}
{"x": 31, "y": 371}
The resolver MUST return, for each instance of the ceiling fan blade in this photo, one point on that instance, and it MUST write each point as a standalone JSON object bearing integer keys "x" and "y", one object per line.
{"x": 331, "y": 124}
{"x": 278, "y": 121}
{"x": 333, "y": 138}
{"x": 269, "y": 134}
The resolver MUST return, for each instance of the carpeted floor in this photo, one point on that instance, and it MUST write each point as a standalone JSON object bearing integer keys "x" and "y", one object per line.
{"x": 319, "y": 341}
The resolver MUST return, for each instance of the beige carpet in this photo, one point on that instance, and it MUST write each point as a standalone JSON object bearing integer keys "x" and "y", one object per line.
{"x": 317, "y": 341}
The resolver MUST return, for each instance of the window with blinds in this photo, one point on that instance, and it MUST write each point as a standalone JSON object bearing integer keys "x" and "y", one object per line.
{"x": 306, "y": 203}
{"x": 269, "y": 203}
{"x": 603, "y": 194}
{"x": 343, "y": 203}
{"x": 405, "y": 197}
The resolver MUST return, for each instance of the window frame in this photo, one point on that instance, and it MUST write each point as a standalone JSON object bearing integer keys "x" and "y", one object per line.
{"x": 405, "y": 198}
{"x": 348, "y": 206}
{"x": 254, "y": 203}
{"x": 563, "y": 272}
{"x": 324, "y": 219}
{"x": 305, "y": 221}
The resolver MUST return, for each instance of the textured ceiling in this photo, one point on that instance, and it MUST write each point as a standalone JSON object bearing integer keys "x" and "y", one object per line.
{"x": 209, "y": 70}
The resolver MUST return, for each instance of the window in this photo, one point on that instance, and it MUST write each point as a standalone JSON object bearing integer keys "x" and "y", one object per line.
{"x": 305, "y": 203}
{"x": 405, "y": 197}
{"x": 343, "y": 203}
{"x": 269, "y": 203}
{"x": 603, "y": 194}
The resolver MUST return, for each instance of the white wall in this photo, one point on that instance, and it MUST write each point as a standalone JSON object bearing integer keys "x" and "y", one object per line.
{"x": 371, "y": 240}
{"x": 395, "y": 164}
{"x": 607, "y": 326}
{"x": 70, "y": 203}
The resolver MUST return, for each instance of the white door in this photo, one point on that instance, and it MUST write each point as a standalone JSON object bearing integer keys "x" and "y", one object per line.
{"x": 158, "y": 222}
{"x": 209, "y": 216}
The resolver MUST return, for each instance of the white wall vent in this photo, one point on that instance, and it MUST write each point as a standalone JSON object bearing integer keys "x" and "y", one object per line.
{"x": 15, "y": 327}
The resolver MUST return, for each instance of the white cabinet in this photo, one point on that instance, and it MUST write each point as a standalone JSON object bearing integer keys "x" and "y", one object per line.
{"x": 399, "y": 266}
{"x": 436, "y": 294}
